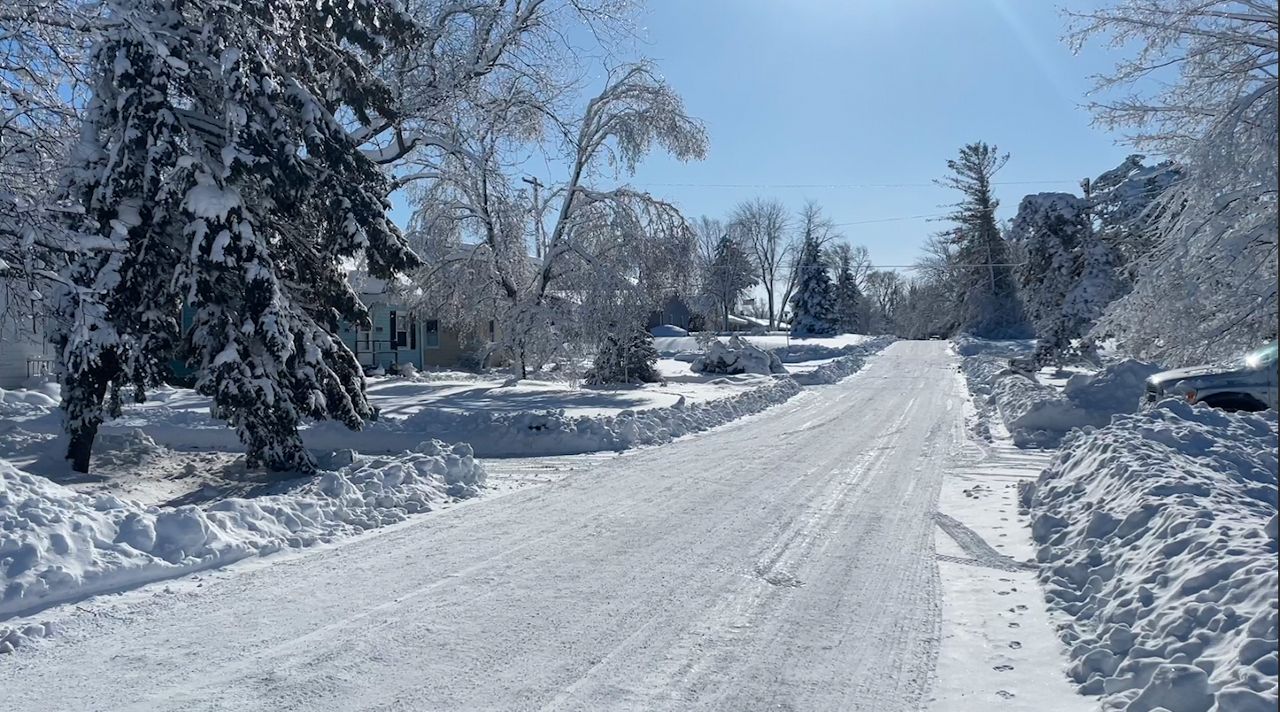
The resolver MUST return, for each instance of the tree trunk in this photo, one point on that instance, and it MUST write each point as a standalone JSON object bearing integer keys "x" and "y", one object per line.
{"x": 80, "y": 445}
{"x": 83, "y": 399}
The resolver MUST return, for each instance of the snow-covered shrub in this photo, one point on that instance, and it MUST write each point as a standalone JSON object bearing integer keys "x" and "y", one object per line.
{"x": 58, "y": 545}
{"x": 1157, "y": 538}
{"x": 738, "y": 356}
{"x": 629, "y": 357}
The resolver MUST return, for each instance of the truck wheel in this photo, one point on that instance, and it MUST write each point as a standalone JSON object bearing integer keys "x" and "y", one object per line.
{"x": 1235, "y": 402}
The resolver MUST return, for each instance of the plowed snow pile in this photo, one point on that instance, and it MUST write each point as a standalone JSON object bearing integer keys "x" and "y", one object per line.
{"x": 1157, "y": 537}
{"x": 530, "y": 434}
{"x": 1039, "y": 415}
{"x": 58, "y": 545}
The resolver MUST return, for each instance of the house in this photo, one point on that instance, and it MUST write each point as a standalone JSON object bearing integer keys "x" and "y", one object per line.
{"x": 399, "y": 335}
{"x": 24, "y": 350}
{"x": 402, "y": 335}
{"x": 675, "y": 311}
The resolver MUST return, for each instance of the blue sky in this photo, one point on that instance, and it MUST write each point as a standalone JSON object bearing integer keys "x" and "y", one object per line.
{"x": 871, "y": 92}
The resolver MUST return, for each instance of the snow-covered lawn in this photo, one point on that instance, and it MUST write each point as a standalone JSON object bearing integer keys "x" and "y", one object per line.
{"x": 498, "y": 416}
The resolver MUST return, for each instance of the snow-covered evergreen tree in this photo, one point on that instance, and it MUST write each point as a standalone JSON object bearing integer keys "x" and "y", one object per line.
{"x": 218, "y": 163}
{"x": 990, "y": 306}
{"x": 813, "y": 305}
{"x": 626, "y": 357}
{"x": 1068, "y": 278}
{"x": 848, "y": 307}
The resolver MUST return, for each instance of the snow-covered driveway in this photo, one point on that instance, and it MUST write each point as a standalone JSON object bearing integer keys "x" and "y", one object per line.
{"x": 782, "y": 562}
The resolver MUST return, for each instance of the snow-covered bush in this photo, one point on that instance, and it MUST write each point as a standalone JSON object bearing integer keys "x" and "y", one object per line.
{"x": 738, "y": 356}
{"x": 59, "y": 545}
{"x": 1157, "y": 538}
{"x": 629, "y": 357}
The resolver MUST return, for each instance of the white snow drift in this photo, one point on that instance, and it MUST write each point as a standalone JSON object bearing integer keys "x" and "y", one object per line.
{"x": 57, "y": 545}
{"x": 1157, "y": 537}
{"x": 1040, "y": 415}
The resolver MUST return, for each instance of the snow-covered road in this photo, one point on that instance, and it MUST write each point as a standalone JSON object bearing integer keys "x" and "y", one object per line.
{"x": 782, "y": 562}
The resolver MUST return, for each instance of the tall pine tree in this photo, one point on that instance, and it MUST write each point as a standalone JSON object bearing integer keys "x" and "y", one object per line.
{"x": 813, "y": 306}
{"x": 990, "y": 306}
{"x": 218, "y": 168}
{"x": 848, "y": 306}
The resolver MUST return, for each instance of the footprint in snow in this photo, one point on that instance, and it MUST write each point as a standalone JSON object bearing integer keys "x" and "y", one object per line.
{"x": 1015, "y": 624}
{"x": 1005, "y": 694}
{"x": 1015, "y": 644}
{"x": 1002, "y": 668}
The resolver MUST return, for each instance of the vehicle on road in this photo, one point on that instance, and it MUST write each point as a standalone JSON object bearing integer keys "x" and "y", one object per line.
{"x": 1249, "y": 384}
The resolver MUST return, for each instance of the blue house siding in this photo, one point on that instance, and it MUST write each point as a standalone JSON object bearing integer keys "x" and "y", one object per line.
{"x": 398, "y": 336}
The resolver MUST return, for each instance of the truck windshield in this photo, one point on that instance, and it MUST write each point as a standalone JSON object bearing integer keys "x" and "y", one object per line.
{"x": 1265, "y": 356}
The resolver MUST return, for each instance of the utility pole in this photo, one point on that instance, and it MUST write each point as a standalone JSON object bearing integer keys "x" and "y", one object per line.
{"x": 537, "y": 214}
{"x": 1087, "y": 186}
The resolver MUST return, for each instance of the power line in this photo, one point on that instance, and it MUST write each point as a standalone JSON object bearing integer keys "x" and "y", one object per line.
{"x": 897, "y": 219}
{"x": 1072, "y": 181}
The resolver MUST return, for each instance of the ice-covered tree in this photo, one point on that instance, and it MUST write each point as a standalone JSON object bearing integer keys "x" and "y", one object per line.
{"x": 43, "y": 46}
{"x": 595, "y": 240}
{"x": 885, "y": 291}
{"x": 220, "y": 164}
{"x": 813, "y": 305}
{"x": 729, "y": 274}
{"x": 1201, "y": 88}
{"x": 990, "y": 306}
{"x": 1068, "y": 276}
{"x": 1120, "y": 209}
{"x": 848, "y": 297}
{"x": 761, "y": 225}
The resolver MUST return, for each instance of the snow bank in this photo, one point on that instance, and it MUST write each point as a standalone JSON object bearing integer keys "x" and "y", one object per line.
{"x": 667, "y": 331}
{"x": 799, "y": 352}
{"x": 851, "y": 362}
{"x": 1040, "y": 415}
{"x": 552, "y": 432}
{"x": 737, "y": 356}
{"x": 40, "y": 397}
{"x": 58, "y": 545}
{"x": 966, "y": 345}
{"x": 1157, "y": 538}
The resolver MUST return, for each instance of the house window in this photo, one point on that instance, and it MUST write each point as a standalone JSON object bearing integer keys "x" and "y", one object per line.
{"x": 402, "y": 329}
{"x": 431, "y": 334}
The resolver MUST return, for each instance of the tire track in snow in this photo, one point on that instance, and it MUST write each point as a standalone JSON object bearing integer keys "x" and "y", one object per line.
{"x": 983, "y": 553}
